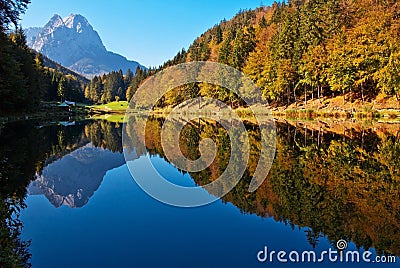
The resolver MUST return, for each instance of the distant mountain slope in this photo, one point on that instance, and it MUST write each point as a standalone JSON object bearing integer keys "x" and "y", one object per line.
{"x": 74, "y": 43}
{"x": 54, "y": 65}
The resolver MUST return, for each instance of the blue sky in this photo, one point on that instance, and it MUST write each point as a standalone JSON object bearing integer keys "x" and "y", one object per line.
{"x": 149, "y": 31}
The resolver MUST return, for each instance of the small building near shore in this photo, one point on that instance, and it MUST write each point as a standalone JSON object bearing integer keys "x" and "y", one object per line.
{"x": 67, "y": 105}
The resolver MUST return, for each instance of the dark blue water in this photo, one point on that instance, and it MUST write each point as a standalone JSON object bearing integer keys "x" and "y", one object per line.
{"x": 121, "y": 226}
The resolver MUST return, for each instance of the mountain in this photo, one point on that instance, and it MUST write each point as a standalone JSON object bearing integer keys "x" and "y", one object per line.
{"x": 74, "y": 43}
{"x": 74, "y": 178}
{"x": 65, "y": 71}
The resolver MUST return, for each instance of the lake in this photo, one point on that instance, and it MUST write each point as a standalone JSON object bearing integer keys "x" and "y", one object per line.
{"x": 80, "y": 206}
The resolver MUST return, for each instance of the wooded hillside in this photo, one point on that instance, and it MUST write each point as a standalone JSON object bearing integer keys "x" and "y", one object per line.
{"x": 302, "y": 50}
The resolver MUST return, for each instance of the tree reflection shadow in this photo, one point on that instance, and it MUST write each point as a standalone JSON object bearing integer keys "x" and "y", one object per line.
{"x": 341, "y": 181}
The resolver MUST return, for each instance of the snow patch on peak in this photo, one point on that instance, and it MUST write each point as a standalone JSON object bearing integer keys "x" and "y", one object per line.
{"x": 77, "y": 22}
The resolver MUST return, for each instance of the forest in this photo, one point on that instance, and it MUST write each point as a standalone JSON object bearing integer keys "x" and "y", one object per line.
{"x": 302, "y": 50}
{"x": 294, "y": 51}
{"x": 114, "y": 86}
{"x": 26, "y": 77}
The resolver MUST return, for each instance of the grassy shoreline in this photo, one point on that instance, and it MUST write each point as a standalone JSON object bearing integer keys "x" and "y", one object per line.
{"x": 308, "y": 113}
{"x": 381, "y": 108}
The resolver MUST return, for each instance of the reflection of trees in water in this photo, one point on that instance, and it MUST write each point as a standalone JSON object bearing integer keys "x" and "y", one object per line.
{"x": 342, "y": 184}
{"x": 341, "y": 187}
{"x": 26, "y": 149}
{"x": 23, "y": 150}
{"x": 13, "y": 251}
{"x": 104, "y": 134}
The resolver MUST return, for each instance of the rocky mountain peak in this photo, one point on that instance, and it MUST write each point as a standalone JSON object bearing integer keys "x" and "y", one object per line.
{"x": 73, "y": 42}
{"x": 77, "y": 22}
{"x": 55, "y": 22}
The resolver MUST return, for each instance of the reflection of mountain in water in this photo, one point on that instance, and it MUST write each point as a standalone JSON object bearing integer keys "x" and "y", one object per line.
{"x": 73, "y": 179}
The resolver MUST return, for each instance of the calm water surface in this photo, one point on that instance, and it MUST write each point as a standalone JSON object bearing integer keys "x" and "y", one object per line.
{"x": 83, "y": 208}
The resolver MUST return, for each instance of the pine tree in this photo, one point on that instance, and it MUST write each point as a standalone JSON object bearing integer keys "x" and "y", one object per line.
{"x": 218, "y": 34}
{"x": 11, "y": 10}
{"x": 62, "y": 88}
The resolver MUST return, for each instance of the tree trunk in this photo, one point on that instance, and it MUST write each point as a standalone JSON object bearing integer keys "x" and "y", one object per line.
{"x": 312, "y": 93}
{"x": 305, "y": 95}
{"x": 351, "y": 95}
{"x": 322, "y": 92}
{"x": 288, "y": 96}
{"x": 362, "y": 139}
{"x": 362, "y": 93}
{"x": 344, "y": 98}
{"x": 344, "y": 134}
